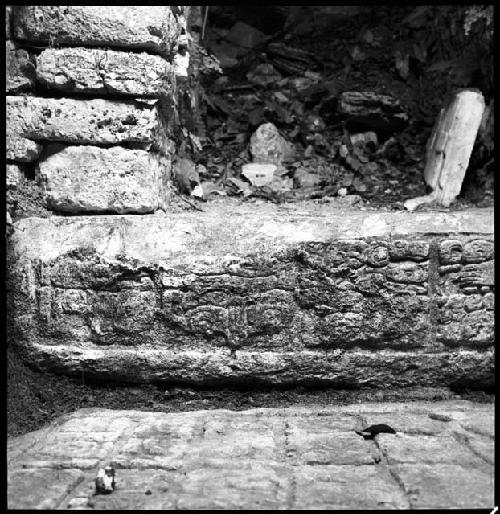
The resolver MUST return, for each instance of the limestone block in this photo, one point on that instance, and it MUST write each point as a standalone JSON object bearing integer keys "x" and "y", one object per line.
{"x": 20, "y": 70}
{"x": 281, "y": 296}
{"x": 31, "y": 119}
{"x": 87, "y": 70}
{"x": 151, "y": 28}
{"x": 19, "y": 148}
{"x": 92, "y": 179}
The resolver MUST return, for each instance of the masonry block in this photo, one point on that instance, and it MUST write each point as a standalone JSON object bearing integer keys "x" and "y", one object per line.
{"x": 33, "y": 120}
{"x": 92, "y": 179}
{"x": 108, "y": 72}
{"x": 151, "y": 28}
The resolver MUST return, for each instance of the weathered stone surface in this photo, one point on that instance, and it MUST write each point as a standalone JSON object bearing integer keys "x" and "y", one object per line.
{"x": 87, "y": 70}
{"x": 465, "y": 320}
{"x": 52, "y": 483}
{"x": 189, "y": 291}
{"x": 445, "y": 486}
{"x": 465, "y": 292}
{"x": 93, "y": 179}
{"x": 287, "y": 458}
{"x": 19, "y": 148}
{"x": 8, "y": 15}
{"x": 347, "y": 487}
{"x": 79, "y": 121}
{"x": 267, "y": 145}
{"x": 411, "y": 449}
{"x": 20, "y": 70}
{"x": 14, "y": 175}
{"x": 152, "y": 28}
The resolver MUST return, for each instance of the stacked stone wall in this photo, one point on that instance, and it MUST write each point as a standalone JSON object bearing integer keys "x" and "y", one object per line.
{"x": 89, "y": 108}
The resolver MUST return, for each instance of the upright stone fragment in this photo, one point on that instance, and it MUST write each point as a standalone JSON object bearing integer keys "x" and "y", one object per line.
{"x": 91, "y": 70}
{"x": 449, "y": 148}
{"x": 92, "y": 179}
{"x": 148, "y": 27}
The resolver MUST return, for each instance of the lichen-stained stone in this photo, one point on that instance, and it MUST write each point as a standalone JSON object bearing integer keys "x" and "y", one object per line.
{"x": 20, "y": 69}
{"x": 151, "y": 28}
{"x": 228, "y": 294}
{"x": 19, "y": 148}
{"x": 94, "y": 121}
{"x": 92, "y": 179}
{"x": 92, "y": 70}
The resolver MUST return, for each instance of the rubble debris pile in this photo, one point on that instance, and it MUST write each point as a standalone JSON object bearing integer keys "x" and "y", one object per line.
{"x": 353, "y": 102}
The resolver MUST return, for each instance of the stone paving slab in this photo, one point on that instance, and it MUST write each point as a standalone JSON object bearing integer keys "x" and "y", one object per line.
{"x": 289, "y": 458}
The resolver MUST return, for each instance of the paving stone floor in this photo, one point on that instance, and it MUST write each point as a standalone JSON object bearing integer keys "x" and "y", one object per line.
{"x": 442, "y": 456}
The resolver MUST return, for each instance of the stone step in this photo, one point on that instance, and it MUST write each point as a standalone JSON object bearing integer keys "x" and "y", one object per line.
{"x": 307, "y": 457}
{"x": 304, "y": 293}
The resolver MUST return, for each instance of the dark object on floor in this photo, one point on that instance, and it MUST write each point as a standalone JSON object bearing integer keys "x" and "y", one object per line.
{"x": 371, "y": 431}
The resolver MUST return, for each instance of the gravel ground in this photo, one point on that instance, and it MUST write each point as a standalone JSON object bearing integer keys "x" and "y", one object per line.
{"x": 35, "y": 399}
